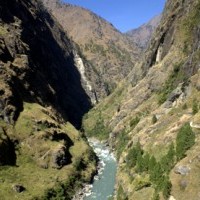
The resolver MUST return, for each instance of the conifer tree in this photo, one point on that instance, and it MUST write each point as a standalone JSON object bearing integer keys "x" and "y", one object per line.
{"x": 166, "y": 187}
{"x": 146, "y": 160}
{"x": 140, "y": 163}
{"x": 185, "y": 140}
{"x": 168, "y": 160}
{"x": 152, "y": 163}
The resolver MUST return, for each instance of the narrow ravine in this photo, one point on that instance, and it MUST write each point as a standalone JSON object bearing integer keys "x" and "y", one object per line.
{"x": 104, "y": 182}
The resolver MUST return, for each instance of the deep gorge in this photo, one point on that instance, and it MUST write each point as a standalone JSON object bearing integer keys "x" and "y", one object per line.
{"x": 62, "y": 82}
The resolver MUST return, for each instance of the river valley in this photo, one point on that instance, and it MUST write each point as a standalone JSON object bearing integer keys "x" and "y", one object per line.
{"x": 104, "y": 182}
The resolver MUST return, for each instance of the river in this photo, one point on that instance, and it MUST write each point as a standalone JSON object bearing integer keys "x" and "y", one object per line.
{"x": 104, "y": 183}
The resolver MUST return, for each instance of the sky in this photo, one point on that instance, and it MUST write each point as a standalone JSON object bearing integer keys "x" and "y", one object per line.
{"x": 123, "y": 14}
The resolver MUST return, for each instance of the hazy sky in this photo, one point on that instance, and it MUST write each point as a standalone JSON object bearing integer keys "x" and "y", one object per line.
{"x": 123, "y": 14}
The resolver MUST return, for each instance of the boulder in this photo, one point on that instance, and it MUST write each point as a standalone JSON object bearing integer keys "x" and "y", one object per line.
{"x": 183, "y": 170}
{"x": 18, "y": 188}
{"x": 60, "y": 157}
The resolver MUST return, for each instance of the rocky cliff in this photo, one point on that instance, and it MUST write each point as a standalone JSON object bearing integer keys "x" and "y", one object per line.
{"x": 22, "y": 47}
{"x": 111, "y": 54}
{"x": 44, "y": 94}
{"x": 151, "y": 119}
{"x": 142, "y": 35}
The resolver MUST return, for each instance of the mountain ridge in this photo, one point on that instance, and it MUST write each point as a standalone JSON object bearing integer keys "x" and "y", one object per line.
{"x": 142, "y": 35}
{"x": 109, "y": 51}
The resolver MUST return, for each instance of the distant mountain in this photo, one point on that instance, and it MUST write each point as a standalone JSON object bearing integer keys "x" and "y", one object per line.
{"x": 142, "y": 35}
{"x": 110, "y": 52}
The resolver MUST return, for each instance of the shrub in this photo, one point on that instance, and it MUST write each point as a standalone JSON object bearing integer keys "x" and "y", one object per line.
{"x": 132, "y": 156}
{"x": 154, "y": 119}
{"x": 121, "y": 194}
{"x": 195, "y": 107}
{"x": 99, "y": 130}
{"x": 134, "y": 122}
{"x": 177, "y": 76}
{"x": 122, "y": 141}
{"x": 155, "y": 196}
{"x": 184, "y": 107}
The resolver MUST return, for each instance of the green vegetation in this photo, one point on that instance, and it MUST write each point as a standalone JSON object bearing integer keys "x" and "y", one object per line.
{"x": 63, "y": 191}
{"x": 121, "y": 194}
{"x": 184, "y": 141}
{"x": 122, "y": 54}
{"x": 184, "y": 107}
{"x": 195, "y": 107}
{"x": 134, "y": 122}
{"x": 37, "y": 134}
{"x": 154, "y": 119}
{"x": 177, "y": 76}
{"x": 144, "y": 163}
{"x": 109, "y": 87}
{"x": 103, "y": 112}
{"x": 133, "y": 154}
{"x": 99, "y": 130}
{"x": 142, "y": 182}
{"x": 155, "y": 196}
{"x": 121, "y": 142}
{"x": 168, "y": 160}
{"x": 187, "y": 27}
{"x": 95, "y": 48}
{"x": 158, "y": 171}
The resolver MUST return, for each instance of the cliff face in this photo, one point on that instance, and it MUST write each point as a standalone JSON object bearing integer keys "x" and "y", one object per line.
{"x": 142, "y": 35}
{"x": 149, "y": 115}
{"x": 38, "y": 64}
{"x": 109, "y": 51}
{"x": 42, "y": 94}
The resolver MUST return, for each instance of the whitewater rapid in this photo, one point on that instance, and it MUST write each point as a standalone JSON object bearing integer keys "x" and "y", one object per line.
{"x": 104, "y": 182}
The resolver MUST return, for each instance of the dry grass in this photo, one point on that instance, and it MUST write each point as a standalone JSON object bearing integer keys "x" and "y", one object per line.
{"x": 32, "y": 145}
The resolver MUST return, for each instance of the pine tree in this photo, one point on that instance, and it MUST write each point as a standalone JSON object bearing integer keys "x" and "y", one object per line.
{"x": 185, "y": 140}
{"x": 132, "y": 156}
{"x": 171, "y": 155}
{"x": 168, "y": 160}
{"x": 146, "y": 160}
{"x": 140, "y": 163}
{"x": 152, "y": 163}
{"x": 156, "y": 173}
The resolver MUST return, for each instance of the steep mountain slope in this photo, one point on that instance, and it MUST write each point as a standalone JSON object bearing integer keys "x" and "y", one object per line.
{"x": 152, "y": 118}
{"x": 42, "y": 95}
{"x": 109, "y": 51}
{"x": 142, "y": 35}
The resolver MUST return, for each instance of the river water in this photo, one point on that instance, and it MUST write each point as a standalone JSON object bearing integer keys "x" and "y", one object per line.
{"x": 104, "y": 182}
